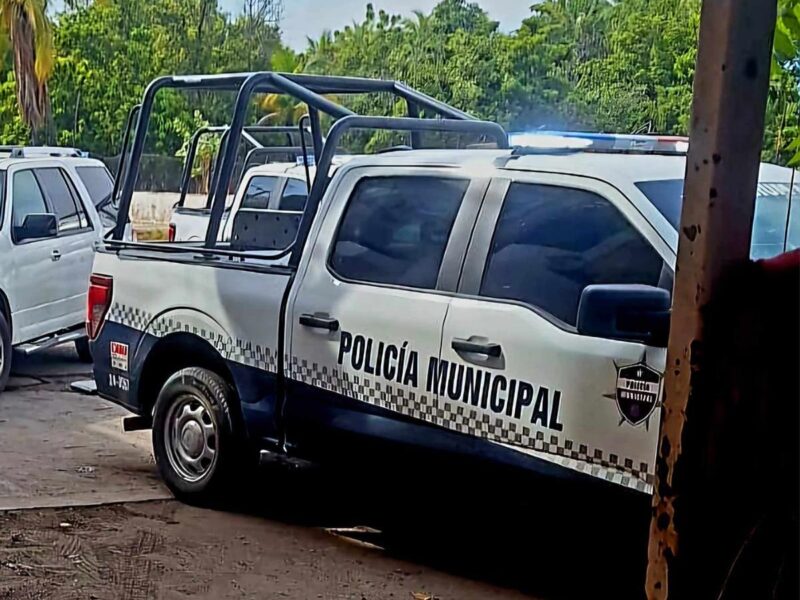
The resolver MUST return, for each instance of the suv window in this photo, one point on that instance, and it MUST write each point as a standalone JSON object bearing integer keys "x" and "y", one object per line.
{"x": 395, "y": 230}
{"x": 97, "y": 181}
{"x": 26, "y": 197}
{"x": 294, "y": 195}
{"x": 67, "y": 207}
{"x": 259, "y": 191}
{"x": 551, "y": 242}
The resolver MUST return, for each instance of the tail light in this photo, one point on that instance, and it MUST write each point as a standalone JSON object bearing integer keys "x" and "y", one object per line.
{"x": 98, "y": 303}
{"x": 171, "y": 235}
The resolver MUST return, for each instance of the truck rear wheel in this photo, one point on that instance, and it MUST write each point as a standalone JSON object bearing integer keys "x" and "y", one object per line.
{"x": 5, "y": 352}
{"x": 194, "y": 438}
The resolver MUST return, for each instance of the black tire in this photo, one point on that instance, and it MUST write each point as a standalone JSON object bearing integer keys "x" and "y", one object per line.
{"x": 84, "y": 351}
{"x": 5, "y": 352}
{"x": 187, "y": 392}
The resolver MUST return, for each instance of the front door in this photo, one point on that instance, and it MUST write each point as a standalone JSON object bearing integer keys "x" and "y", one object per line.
{"x": 367, "y": 316}
{"x": 36, "y": 282}
{"x": 518, "y": 371}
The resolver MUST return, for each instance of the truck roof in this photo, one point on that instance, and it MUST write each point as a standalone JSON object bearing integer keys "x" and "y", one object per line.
{"x": 6, "y": 162}
{"x": 611, "y": 167}
{"x": 293, "y": 169}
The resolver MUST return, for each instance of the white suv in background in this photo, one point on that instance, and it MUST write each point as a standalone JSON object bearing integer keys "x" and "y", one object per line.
{"x": 54, "y": 207}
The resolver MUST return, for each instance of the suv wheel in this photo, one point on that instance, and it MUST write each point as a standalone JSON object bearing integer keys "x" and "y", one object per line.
{"x": 5, "y": 352}
{"x": 194, "y": 437}
{"x": 83, "y": 350}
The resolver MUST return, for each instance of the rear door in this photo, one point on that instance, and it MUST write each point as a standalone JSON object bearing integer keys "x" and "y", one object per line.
{"x": 518, "y": 373}
{"x": 366, "y": 319}
{"x": 76, "y": 236}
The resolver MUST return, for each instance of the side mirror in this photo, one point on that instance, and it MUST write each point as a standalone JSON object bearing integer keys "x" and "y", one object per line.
{"x": 636, "y": 313}
{"x": 36, "y": 226}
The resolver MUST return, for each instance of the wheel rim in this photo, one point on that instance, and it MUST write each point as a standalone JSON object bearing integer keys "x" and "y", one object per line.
{"x": 2, "y": 357}
{"x": 190, "y": 437}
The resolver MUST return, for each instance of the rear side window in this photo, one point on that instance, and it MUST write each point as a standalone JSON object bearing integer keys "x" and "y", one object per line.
{"x": 395, "y": 230}
{"x": 97, "y": 181}
{"x": 67, "y": 207}
{"x": 259, "y": 191}
{"x": 294, "y": 195}
{"x": 26, "y": 197}
{"x": 551, "y": 242}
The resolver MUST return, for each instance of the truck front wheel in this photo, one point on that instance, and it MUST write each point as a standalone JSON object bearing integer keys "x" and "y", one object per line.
{"x": 194, "y": 438}
{"x": 5, "y": 352}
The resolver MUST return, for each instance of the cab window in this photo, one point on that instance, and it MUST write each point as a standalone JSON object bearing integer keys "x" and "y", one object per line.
{"x": 395, "y": 230}
{"x": 294, "y": 195}
{"x": 259, "y": 191}
{"x": 551, "y": 242}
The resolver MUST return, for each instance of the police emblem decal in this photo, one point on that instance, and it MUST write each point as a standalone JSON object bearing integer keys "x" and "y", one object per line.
{"x": 638, "y": 392}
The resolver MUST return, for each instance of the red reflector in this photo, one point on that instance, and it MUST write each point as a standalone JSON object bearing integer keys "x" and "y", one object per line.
{"x": 172, "y": 232}
{"x": 98, "y": 303}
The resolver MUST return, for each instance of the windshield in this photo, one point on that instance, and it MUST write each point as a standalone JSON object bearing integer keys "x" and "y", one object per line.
{"x": 776, "y": 224}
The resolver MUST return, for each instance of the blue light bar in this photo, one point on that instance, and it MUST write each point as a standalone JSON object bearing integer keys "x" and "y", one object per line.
{"x": 541, "y": 141}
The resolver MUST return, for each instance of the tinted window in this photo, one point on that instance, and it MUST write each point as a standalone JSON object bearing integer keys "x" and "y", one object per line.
{"x": 68, "y": 209}
{"x": 97, "y": 181}
{"x": 259, "y": 191}
{"x": 294, "y": 195}
{"x": 27, "y": 197}
{"x": 552, "y": 242}
{"x": 776, "y": 224}
{"x": 395, "y": 230}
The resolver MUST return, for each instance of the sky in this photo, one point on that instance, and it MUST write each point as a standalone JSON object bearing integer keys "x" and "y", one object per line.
{"x": 304, "y": 18}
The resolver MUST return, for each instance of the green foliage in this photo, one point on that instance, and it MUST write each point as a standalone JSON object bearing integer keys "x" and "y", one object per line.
{"x": 623, "y": 66}
{"x": 109, "y": 50}
{"x": 603, "y": 65}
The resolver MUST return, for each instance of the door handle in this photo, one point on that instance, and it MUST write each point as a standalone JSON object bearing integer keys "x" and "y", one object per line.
{"x": 55, "y": 256}
{"x": 490, "y": 349}
{"x": 317, "y": 322}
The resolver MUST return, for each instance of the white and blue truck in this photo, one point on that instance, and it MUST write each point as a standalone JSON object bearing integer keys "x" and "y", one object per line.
{"x": 508, "y": 305}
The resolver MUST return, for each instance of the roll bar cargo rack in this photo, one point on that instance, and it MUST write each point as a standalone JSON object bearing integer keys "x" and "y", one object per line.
{"x": 257, "y": 150}
{"x": 311, "y": 90}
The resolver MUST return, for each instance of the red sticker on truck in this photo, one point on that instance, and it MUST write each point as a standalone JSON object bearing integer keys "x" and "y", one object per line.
{"x": 119, "y": 356}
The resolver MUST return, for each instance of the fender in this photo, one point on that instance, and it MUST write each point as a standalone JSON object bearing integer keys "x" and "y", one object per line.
{"x": 190, "y": 320}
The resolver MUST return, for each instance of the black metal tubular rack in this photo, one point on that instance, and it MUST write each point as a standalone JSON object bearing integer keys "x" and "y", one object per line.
{"x": 256, "y": 151}
{"x": 309, "y": 89}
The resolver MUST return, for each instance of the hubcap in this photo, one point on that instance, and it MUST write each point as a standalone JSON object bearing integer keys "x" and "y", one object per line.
{"x": 190, "y": 434}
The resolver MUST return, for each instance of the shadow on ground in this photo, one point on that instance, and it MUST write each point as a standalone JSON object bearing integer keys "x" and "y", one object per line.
{"x": 570, "y": 543}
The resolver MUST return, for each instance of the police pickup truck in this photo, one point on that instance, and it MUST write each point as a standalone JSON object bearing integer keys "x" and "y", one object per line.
{"x": 54, "y": 207}
{"x": 503, "y": 305}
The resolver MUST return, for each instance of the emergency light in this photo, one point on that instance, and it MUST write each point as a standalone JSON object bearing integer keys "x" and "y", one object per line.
{"x": 576, "y": 141}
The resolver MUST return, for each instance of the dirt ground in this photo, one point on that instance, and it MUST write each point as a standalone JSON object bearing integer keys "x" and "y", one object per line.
{"x": 83, "y": 515}
{"x": 172, "y": 551}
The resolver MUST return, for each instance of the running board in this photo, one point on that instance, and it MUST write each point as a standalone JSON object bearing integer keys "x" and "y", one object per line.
{"x": 45, "y": 343}
{"x": 267, "y": 457}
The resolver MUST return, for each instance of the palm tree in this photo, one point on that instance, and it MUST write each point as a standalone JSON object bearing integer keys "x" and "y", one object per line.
{"x": 282, "y": 109}
{"x": 24, "y": 24}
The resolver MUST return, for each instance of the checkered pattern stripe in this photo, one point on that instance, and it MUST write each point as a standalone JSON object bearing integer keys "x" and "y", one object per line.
{"x": 234, "y": 349}
{"x": 466, "y": 419}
